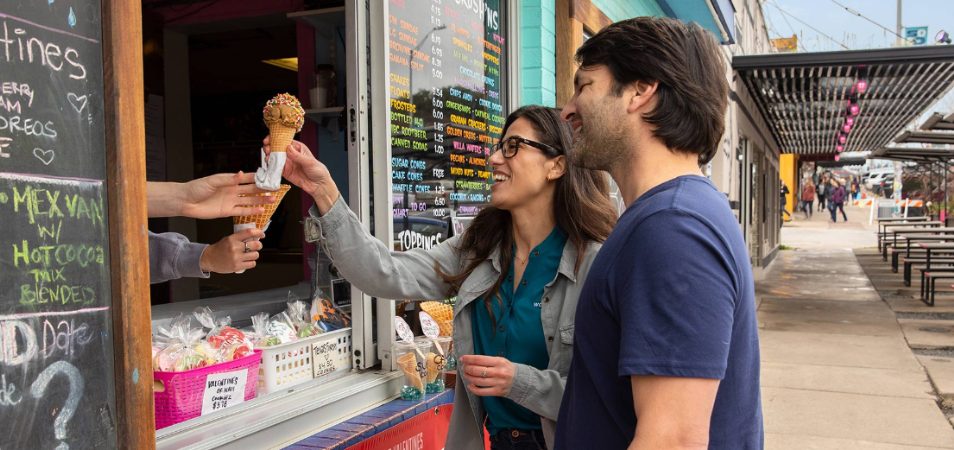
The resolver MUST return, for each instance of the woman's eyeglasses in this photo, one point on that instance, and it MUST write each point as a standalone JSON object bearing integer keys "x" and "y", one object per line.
{"x": 510, "y": 146}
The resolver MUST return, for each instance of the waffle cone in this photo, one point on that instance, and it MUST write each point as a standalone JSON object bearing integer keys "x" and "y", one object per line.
{"x": 260, "y": 220}
{"x": 439, "y": 311}
{"x": 408, "y": 364}
{"x": 433, "y": 366}
{"x": 279, "y": 136}
{"x": 446, "y": 326}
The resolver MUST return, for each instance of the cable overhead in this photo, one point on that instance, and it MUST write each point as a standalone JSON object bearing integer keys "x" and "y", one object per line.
{"x": 868, "y": 19}
{"x": 809, "y": 26}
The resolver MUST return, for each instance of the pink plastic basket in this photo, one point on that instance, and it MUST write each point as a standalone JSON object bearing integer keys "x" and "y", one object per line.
{"x": 181, "y": 395}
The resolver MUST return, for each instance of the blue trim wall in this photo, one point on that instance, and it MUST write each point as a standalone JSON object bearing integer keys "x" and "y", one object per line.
{"x": 618, "y": 10}
{"x": 538, "y": 52}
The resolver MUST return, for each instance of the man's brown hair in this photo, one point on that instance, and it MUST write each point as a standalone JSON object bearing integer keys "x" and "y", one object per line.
{"x": 685, "y": 59}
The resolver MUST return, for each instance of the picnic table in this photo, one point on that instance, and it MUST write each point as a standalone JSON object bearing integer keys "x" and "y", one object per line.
{"x": 895, "y": 231}
{"x": 927, "y": 292}
{"x": 884, "y": 226}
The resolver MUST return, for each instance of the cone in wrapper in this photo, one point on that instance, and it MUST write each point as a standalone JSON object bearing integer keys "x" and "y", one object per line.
{"x": 284, "y": 117}
{"x": 408, "y": 364}
{"x": 435, "y": 363}
{"x": 261, "y": 220}
{"x": 443, "y": 314}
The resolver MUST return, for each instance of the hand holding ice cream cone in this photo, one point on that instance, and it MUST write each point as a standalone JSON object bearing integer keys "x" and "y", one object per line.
{"x": 234, "y": 253}
{"x": 303, "y": 170}
{"x": 284, "y": 116}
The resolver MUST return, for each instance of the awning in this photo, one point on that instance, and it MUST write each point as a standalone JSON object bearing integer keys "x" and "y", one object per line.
{"x": 922, "y": 155}
{"x": 938, "y": 121}
{"x": 808, "y": 99}
{"x": 925, "y": 137}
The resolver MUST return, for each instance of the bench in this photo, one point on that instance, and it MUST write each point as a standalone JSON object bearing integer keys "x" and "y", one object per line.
{"x": 910, "y": 262}
{"x": 929, "y": 285}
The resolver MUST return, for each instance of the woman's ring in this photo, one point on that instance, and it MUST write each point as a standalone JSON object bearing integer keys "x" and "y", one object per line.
{"x": 483, "y": 373}
{"x": 246, "y": 247}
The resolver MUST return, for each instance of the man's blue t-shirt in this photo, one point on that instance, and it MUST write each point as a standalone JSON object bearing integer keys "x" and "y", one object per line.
{"x": 670, "y": 294}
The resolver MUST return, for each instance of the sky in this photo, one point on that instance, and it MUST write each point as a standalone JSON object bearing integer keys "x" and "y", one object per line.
{"x": 849, "y": 29}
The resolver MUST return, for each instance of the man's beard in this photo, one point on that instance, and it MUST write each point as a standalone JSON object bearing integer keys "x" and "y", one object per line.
{"x": 601, "y": 144}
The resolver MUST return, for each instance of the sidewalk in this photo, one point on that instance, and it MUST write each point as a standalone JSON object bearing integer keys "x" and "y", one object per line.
{"x": 837, "y": 370}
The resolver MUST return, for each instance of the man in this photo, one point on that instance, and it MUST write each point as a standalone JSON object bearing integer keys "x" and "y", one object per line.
{"x": 666, "y": 351}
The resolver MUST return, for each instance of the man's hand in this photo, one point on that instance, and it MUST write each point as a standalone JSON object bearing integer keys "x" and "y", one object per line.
{"x": 229, "y": 254}
{"x": 488, "y": 376}
{"x": 306, "y": 172}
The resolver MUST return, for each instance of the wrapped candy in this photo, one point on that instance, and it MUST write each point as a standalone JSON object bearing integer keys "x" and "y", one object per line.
{"x": 177, "y": 346}
{"x": 280, "y": 327}
{"x": 297, "y": 311}
{"x": 326, "y": 316}
{"x": 261, "y": 338}
{"x": 226, "y": 342}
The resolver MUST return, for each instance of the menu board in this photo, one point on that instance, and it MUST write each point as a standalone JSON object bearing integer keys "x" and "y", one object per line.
{"x": 447, "y": 96}
{"x": 56, "y": 357}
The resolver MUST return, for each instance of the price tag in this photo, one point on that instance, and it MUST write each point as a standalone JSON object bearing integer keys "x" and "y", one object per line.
{"x": 403, "y": 330}
{"x": 429, "y": 325}
{"x": 223, "y": 390}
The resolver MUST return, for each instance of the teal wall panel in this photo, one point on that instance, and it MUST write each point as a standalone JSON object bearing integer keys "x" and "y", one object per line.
{"x": 618, "y": 10}
{"x": 538, "y": 52}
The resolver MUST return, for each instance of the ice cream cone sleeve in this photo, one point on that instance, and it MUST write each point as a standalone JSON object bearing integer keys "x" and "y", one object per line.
{"x": 279, "y": 136}
{"x": 408, "y": 364}
{"x": 260, "y": 220}
{"x": 433, "y": 366}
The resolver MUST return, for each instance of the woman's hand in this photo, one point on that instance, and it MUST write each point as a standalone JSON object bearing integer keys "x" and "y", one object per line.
{"x": 229, "y": 255}
{"x": 488, "y": 376}
{"x": 223, "y": 195}
{"x": 306, "y": 172}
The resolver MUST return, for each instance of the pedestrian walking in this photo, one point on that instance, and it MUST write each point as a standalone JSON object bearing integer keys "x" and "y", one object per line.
{"x": 665, "y": 345}
{"x": 821, "y": 190}
{"x": 808, "y": 197}
{"x": 855, "y": 188}
{"x": 837, "y": 201}
{"x": 783, "y": 201}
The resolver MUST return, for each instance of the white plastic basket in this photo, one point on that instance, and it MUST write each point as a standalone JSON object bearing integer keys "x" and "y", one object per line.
{"x": 331, "y": 354}
{"x": 285, "y": 365}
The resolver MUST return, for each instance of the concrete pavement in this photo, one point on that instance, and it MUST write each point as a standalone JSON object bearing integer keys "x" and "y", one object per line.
{"x": 837, "y": 368}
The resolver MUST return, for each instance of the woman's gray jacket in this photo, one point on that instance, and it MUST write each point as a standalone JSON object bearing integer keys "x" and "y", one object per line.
{"x": 377, "y": 271}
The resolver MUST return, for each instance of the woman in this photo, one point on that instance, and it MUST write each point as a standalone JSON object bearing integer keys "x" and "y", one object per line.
{"x": 808, "y": 196}
{"x": 517, "y": 273}
{"x": 837, "y": 200}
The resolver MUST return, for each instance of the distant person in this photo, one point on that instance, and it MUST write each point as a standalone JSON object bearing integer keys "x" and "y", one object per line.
{"x": 808, "y": 197}
{"x": 855, "y": 188}
{"x": 821, "y": 190}
{"x": 783, "y": 201}
{"x": 837, "y": 201}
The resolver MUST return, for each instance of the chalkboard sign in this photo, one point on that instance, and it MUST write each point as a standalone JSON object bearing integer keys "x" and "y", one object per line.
{"x": 447, "y": 91}
{"x": 56, "y": 354}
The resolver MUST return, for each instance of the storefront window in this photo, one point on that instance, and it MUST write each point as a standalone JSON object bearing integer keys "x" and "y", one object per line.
{"x": 447, "y": 89}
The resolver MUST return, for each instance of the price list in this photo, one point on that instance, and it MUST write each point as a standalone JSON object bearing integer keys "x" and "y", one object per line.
{"x": 446, "y": 90}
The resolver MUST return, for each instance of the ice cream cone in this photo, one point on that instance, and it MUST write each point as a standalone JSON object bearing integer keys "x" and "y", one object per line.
{"x": 279, "y": 136}
{"x": 408, "y": 364}
{"x": 443, "y": 314}
{"x": 261, "y": 220}
{"x": 434, "y": 363}
{"x": 284, "y": 117}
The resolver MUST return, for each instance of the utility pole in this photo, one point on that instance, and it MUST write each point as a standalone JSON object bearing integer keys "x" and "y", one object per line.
{"x": 900, "y": 40}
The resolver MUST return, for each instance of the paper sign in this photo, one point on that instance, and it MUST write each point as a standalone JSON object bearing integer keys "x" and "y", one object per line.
{"x": 429, "y": 325}
{"x": 223, "y": 390}
{"x": 403, "y": 330}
